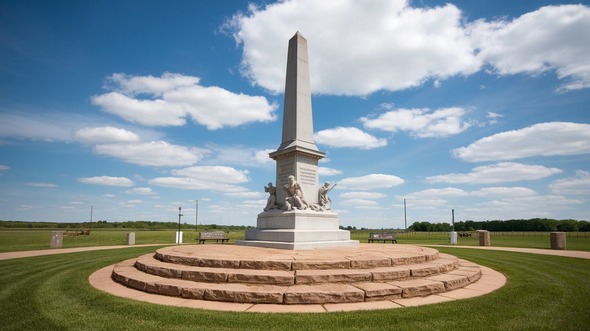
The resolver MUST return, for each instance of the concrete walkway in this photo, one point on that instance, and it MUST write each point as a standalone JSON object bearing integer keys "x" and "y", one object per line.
{"x": 53, "y": 251}
{"x": 577, "y": 254}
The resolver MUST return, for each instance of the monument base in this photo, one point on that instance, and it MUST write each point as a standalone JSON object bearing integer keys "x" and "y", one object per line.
{"x": 297, "y": 229}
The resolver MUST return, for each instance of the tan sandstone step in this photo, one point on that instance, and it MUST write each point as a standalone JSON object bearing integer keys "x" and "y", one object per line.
{"x": 355, "y": 291}
{"x": 272, "y": 259}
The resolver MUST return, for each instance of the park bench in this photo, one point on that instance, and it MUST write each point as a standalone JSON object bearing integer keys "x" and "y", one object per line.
{"x": 382, "y": 237}
{"x": 77, "y": 233}
{"x": 465, "y": 234}
{"x": 212, "y": 235}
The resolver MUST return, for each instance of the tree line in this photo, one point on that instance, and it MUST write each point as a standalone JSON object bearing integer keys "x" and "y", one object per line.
{"x": 137, "y": 225}
{"x": 533, "y": 224}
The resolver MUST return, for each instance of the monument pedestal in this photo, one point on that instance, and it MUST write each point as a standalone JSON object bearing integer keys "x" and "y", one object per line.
{"x": 297, "y": 229}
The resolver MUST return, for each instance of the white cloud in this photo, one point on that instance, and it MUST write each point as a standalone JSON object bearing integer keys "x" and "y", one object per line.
{"x": 572, "y": 186}
{"x": 155, "y": 153}
{"x": 389, "y": 46}
{"x": 249, "y": 195}
{"x": 497, "y": 173}
{"x": 261, "y": 157}
{"x": 105, "y": 134}
{"x": 52, "y": 127}
{"x": 325, "y": 171}
{"x": 219, "y": 174}
{"x": 362, "y": 195}
{"x": 505, "y": 192}
{"x": 42, "y": 185}
{"x": 544, "y": 139}
{"x": 168, "y": 100}
{"x": 370, "y": 182}
{"x": 550, "y": 38}
{"x": 395, "y": 45}
{"x": 195, "y": 184}
{"x": 141, "y": 191}
{"x": 433, "y": 194}
{"x": 348, "y": 137}
{"x": 359, "y": 203}
{"x": 4, "y": 167}
{"x": 422, "y": 123}
{"x": 107, "y": 180}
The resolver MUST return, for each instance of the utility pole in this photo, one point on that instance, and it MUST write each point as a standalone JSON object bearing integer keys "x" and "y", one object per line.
{"x": 90, "y": 217}
{"x": 197, "y": 216}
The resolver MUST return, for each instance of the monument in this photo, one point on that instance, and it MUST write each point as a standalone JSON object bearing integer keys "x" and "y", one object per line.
{"x": 297, "y": 214}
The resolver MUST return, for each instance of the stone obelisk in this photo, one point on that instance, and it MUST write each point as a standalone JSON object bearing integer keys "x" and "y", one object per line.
{"x": 310, "y": 225}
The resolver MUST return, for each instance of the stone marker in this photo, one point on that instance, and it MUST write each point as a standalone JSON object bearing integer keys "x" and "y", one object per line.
{"x": 297, "y": 213}
{"x": 557, "y": 240}
{"x": 131, "y": 238}
{"x": 484, "y": 237}
{"x": 56, "y": 240}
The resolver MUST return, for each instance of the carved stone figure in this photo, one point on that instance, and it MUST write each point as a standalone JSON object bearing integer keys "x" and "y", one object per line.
{"x": 294, "y": 197}
{"x": 323, "y": 199}
{"x": 271, "y": 202}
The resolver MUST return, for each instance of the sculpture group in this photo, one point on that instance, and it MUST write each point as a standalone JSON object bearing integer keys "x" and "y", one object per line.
{"x": 295, "y": 198}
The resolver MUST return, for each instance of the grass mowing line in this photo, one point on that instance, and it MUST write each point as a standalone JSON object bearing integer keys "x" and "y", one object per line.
{"x": 52, "y": 293}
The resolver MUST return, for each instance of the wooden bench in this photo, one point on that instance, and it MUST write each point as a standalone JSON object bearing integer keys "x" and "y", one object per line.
{"x": 382, "y": 237}
{"x": 77, "y": 233}
{"x": 212, "y": 235}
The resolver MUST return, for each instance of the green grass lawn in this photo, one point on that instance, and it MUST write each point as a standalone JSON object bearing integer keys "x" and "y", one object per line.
{"x": 19, "y": 240}
{"x": 53, "y": 293}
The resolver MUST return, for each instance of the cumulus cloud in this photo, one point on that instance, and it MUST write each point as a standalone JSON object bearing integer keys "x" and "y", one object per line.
{"x": 360, "y": 203}
{"x": 107, "y": 180}
{"x": 370, "y": 182}
{"x": 544, "y": 139}
{"x": 497, "y": 173}
{"x": 141, "y": 191}
{"x": 45, "y": 127}
{"x": 261, "y": 157}
{"x": 41, "y": 185}
{"x": 214, "y": 178}
{"x": 220, "y": 174}
{"x": 396, "y": 44}
{"x": 170, "y": 99}
{"x": 105, "y": 134}
{"x": 325, "y": 171}
{"x": 422, "y": 123}
{"x": 504, "y": 192}
{"x": 362, "y": 195}
{"x": 550, "y": 38}
{"x": 348, "y": 137}
{"x": 580, "y": 184}
{"x": 431, "y": 194}
{"x": 188, "y": 183}
{"x": 155, "y": 153}
{"x": 390, "y": 46}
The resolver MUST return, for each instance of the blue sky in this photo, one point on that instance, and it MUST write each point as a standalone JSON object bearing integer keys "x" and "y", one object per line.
{"x": 139, "y": 107}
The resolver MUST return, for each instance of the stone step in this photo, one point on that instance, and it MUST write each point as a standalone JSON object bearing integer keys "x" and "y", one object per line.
{"x": 147, "y": 263}
{"x": 356, "y": 290}
{"x": 271, "y": 259}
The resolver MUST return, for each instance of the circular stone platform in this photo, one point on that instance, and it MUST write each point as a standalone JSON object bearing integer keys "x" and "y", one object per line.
{"x": 228, "y": 277}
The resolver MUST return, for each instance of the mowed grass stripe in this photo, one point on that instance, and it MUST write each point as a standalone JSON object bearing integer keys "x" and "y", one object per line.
{"x": 52, "y": 293}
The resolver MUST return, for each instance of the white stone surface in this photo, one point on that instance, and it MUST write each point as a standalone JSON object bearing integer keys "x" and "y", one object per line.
{"x": 297, "y": 156}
